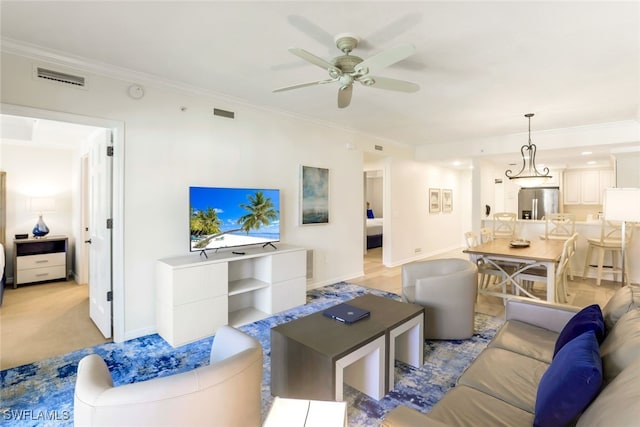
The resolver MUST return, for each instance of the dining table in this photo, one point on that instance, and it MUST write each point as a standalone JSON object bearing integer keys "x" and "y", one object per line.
{"x": 514, "y": 258}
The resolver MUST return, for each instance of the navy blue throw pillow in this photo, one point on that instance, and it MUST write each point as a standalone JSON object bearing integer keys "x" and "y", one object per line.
{"x": 588, "y": 319}
{"x": 570, "y": 383}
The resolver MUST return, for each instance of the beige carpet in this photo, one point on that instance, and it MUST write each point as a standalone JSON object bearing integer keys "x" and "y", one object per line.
{"x": 44, "y": 320}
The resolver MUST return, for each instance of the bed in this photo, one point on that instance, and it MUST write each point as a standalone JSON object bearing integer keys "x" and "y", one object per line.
{"x": 374, "y": 233}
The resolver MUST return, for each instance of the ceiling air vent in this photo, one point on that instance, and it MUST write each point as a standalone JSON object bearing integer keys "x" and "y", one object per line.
{"x": 224, "y": 113}
{"x": 60, "y": 77}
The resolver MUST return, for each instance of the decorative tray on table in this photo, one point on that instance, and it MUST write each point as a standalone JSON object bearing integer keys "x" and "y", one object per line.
{"x": 518, "y": 243}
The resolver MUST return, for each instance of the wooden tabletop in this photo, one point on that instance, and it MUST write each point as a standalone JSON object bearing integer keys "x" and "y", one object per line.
{"x": 538, "y": 250}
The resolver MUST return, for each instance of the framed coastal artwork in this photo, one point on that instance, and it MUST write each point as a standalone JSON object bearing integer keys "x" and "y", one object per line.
{"x": 447, "y": 200}
{"x": 434, "y": 200}
{"x": 314, "y": 195}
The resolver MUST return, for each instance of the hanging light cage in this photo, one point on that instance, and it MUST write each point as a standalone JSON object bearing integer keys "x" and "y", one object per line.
{"x": 529, "y": 170}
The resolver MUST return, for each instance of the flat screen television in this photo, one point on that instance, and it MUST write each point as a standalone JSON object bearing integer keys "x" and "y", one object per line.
{"x": 229, "y": 217}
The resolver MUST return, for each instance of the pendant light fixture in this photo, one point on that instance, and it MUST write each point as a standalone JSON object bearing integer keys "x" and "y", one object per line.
{"x": 529, "y": 175}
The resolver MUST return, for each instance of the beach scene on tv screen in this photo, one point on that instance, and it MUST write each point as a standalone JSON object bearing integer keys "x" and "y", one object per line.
{"x": 227, "y": 217}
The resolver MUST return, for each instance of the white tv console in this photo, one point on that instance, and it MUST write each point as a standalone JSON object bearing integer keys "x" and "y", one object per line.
{"x": 196, "y": 295}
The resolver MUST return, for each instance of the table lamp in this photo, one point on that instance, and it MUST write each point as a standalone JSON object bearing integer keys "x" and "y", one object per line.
{"x": 622, "y": 204}
{"x": 41, "y": 205}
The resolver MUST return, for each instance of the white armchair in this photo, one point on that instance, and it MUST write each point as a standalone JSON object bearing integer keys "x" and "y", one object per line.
{"x": 227, "y": 392}
{"x": 447, "y": 290}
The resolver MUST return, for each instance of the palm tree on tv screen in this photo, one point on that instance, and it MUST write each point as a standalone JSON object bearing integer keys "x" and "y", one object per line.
{"x": 204, "y": 222}
{"x": 261, "y": 211}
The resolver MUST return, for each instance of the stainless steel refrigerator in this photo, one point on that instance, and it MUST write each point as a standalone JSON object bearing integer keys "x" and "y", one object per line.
{"x": 535, "y": 203}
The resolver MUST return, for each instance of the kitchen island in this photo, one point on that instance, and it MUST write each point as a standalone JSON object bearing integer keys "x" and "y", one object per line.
{"x": 533, "y": 229}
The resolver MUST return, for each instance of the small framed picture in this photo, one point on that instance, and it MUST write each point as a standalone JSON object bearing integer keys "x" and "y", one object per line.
{"x": 447, "y": 200}
{"x": 434, "y": 200}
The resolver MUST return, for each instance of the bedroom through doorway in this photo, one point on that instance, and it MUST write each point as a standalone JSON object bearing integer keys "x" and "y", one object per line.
{"x": 374, "y": 198}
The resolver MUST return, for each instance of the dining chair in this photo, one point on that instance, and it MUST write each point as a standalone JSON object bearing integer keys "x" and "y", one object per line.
{"x": 505, "y": 229}
{"x": 559, "y": 226}
{"x": 539, "y": 274}
{"x": 486, "y": 235}
{"x": 487, "y": 274}
{"x": 610, "y": 241}
{"x": 504, "y": 225}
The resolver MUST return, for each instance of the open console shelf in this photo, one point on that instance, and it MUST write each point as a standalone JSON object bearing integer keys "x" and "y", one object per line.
{"x": 196, "y": 295}
{"x": 241, "y": 286}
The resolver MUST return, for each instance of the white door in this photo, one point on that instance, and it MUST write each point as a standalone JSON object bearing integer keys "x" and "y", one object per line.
{"x": 100, "y": 232}
{"x": 82, "y": 258}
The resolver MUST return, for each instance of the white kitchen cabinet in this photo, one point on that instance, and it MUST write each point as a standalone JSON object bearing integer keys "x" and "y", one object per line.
{"x": 196, "y": 295}
{"x": 572, "y": 190}
{"x": 607, "y": 180}
{"x": 590, "y": 187}
{"x": 586, "y": 187}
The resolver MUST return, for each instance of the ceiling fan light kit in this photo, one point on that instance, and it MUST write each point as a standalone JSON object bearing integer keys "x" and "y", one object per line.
{"x": 529, "y": 175}
{"x": 347, "y": 69}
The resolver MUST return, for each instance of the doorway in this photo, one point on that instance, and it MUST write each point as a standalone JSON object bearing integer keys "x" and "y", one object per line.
{"x": 375, "y": 206}
{"x": 114, "y": 260}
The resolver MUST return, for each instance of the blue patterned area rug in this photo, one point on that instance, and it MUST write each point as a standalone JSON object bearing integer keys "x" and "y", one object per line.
{"x": 41, "y": 393}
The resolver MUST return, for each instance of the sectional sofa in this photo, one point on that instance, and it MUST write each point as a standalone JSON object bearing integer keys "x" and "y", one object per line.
{"x": 520, "y": 380}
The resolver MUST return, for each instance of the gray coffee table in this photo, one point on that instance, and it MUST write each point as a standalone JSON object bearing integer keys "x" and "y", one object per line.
{"x": 313, "y": 356}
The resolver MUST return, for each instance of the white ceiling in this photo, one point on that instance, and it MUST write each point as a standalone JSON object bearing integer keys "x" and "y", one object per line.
{"x": 18, "y": 130}
{"x": 481, "y": 65}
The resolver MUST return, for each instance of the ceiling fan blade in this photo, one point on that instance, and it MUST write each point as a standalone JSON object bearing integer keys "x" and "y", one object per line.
{"x": 390, "y": 84}
{"x": 300, "y": 85}
{"x": 315, "y": 60}
{"x": 344, "y": 96}
{"x": 385, "y": 58}
{"x": 311, "y": 29}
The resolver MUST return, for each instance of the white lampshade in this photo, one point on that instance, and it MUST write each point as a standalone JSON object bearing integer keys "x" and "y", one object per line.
{"x": 41, "y": 205}
{"x": 622, "y": 204}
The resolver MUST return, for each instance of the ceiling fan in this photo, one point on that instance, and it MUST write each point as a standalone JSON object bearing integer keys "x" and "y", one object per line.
{"x": 347, "y": 69}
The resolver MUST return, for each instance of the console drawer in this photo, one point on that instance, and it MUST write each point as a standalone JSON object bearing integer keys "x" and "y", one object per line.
{"x": 41, "y": 274}
{"x": 41, "y": 261}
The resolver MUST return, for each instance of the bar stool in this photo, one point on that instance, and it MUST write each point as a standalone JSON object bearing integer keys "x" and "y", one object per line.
{"x": 610, "y": 241}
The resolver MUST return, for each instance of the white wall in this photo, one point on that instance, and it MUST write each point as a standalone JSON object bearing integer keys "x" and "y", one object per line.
{"x": 415, "y": 233}
{"x": 628, "y": 170}
{"x": 37, "y": 172}
{"x": 167, "y": 150}
{"x": 172, "y": 141}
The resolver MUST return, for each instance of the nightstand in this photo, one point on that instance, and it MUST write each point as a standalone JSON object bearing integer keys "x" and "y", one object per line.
{"x": 39, "y": 260}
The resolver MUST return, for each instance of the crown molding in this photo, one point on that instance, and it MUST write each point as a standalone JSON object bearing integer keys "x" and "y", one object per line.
{"x": 69, "y": 61}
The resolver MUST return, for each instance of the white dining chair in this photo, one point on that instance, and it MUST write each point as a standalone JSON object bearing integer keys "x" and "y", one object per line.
{"x": 559, "y": 226}
{"x": 486, "y": 235}
{"x": 504, "y": 225}
{"x": 539, "y": 274}
{"x": 486, "y": 273}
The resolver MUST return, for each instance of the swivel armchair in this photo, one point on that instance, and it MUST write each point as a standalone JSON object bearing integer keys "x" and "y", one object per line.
{"x": 447, "y": 289}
